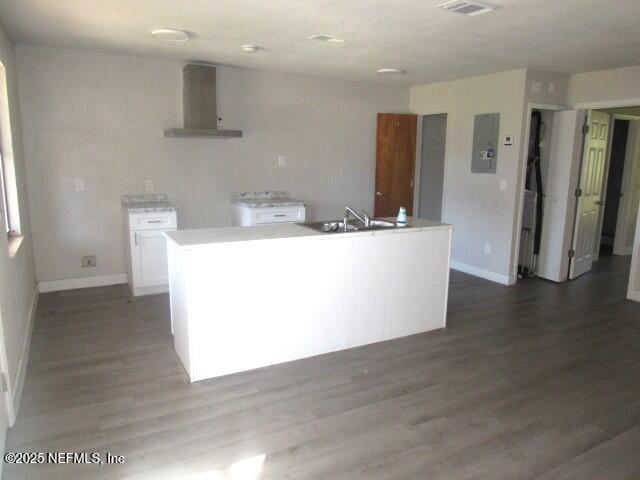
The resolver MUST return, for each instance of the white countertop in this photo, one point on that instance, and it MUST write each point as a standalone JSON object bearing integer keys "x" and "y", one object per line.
{"x": 268, "y": 202}
{"x": 145, "y": 207}
{"x": 206, "y": 236}
{"x": 147, "y": 202}
{"x": 274, "y": 198}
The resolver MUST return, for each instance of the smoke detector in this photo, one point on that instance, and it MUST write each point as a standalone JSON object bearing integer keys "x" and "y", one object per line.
{"x": 466, "y": 7}
{"x": 390, "y": 71}
{"x": 171, "y": 35}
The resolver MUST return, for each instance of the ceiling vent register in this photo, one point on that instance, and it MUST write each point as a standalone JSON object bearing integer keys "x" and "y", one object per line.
{"x": 466, "y": 7}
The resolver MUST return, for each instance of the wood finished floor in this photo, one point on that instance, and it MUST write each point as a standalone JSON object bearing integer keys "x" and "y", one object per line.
{"x": 533, "y": 381}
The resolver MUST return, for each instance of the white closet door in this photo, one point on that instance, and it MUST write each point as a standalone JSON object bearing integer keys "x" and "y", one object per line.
{"x": 590, "y": 200}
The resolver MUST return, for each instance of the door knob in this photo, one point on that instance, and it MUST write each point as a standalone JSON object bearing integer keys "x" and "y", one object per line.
{"x": 379, "y": 194}
{"x": 599, "y": 202}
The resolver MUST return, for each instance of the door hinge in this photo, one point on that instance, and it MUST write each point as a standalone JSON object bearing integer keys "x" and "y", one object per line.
{"x": 585, "y": 129}
{"x": 572, "y": 253}
{"x": 578, "y": 192}
{"x": 4, "y": 383}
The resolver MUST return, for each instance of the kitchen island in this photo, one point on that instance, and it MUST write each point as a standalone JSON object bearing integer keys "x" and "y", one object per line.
{"x": 248, "y": 297}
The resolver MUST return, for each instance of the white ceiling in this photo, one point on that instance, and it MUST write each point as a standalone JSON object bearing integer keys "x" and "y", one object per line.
{"x": 430, "y": 44}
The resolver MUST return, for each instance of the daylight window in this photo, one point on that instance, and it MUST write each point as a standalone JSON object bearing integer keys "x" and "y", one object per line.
{"x": 10, "y": 212}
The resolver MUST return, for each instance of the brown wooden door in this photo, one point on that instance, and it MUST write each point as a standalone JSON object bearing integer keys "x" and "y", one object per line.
{"x": 395, "y": 163}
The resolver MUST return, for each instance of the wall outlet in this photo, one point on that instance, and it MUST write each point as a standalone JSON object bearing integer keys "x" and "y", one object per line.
{"x": 79, "y": 184}
{"x": 487, "y": 249}
{"x": 149, "y": 186}
{"x": 89, "y": 261}
{"x": 281, "y": 161}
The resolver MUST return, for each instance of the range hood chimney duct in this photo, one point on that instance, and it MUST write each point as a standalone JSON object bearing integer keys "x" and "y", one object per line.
{"x": 200, "y": 105}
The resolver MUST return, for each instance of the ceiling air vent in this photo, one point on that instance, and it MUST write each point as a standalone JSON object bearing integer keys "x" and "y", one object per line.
{"x": 466, "y": 7}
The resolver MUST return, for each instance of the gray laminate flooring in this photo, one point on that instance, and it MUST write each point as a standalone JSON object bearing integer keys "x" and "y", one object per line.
{"x": 533, "y": 381}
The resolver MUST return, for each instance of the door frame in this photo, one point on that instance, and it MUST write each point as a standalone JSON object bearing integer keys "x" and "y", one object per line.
{"x": 621, "y": 206}
{"x": 595, "y": 105}
{"x": 627, "y": 176}
{"x": 4, "y": 368}
{"x": 633, "y": 291}
{"x": 522, "y": 175}
{"x": 418, "y": 164}
{"x": 614, "y": 117}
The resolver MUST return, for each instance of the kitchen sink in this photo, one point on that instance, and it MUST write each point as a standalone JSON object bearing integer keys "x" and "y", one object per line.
{"x": 338, "y": 226}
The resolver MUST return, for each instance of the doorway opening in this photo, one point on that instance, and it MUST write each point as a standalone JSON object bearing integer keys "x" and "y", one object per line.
{"x": 536, "y": 188}
{"x": 431, "y": 167}
{"x": 621, "y": 184}
{"x": 581, "y": 190}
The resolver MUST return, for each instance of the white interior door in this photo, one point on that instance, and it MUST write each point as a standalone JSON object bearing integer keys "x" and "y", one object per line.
{"x": 565, "y": 152}
{"x": 628, "y": 209}
{"x": 590, "y": 198}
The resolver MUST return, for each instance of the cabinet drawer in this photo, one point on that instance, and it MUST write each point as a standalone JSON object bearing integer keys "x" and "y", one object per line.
{"x": 277, "y": 215}
{"x": 152, "y": 221}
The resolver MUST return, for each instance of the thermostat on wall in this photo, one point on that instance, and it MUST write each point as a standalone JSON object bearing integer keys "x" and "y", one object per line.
{"x": 508, "y": 139}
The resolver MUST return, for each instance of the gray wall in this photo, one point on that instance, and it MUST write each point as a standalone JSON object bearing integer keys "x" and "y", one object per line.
{"x": 17, "y": 276}
{"x": 100, "y": 117}
{"x": 480, "y": 212}
{"x": 434, "y": 135}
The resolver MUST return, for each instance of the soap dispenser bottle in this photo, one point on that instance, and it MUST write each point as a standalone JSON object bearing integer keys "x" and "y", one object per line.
{"x": 401, "y": 221}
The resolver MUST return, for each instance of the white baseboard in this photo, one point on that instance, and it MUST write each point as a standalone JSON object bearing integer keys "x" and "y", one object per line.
{"x": 83, "y": 282}
{"x": 633, "y": 295}
{"x": 486, "y": 274}
{"x": 139, "y": 291}
{"x": 21, "y": 373}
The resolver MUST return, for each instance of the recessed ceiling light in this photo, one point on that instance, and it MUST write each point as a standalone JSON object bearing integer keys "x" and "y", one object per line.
{"x": 250, "y": 48}
{"x": 171, "y": 35}
{"x": 390, "y": 71}
{"x": 321, "y": 37}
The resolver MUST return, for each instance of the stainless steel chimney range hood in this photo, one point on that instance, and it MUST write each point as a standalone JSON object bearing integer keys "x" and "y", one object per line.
{"x": 199, "y": 103}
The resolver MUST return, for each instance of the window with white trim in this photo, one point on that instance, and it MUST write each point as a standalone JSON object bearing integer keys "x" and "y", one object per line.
{"x": 8, "y": 185}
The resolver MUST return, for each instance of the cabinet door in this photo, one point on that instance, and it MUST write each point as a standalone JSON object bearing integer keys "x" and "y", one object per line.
{"x": 149, "y": 258}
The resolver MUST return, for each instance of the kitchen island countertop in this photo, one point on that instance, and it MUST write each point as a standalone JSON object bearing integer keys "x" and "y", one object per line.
{"x": 206, "y": 236}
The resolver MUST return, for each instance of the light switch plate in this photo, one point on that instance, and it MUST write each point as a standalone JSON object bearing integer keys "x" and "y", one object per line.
{"x": 148, "y": 185}
{"x": 79, "y": 184}
{"x": 281, "y": 161}
{"x": 503, "y": 185}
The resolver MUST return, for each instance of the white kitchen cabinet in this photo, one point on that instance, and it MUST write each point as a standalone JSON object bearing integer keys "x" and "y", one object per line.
{"x": 147, "y": 251}
{"x": 148, "y": 258}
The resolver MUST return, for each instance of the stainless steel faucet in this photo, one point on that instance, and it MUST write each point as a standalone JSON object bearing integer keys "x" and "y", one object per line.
{"x": 362, "y": 217}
